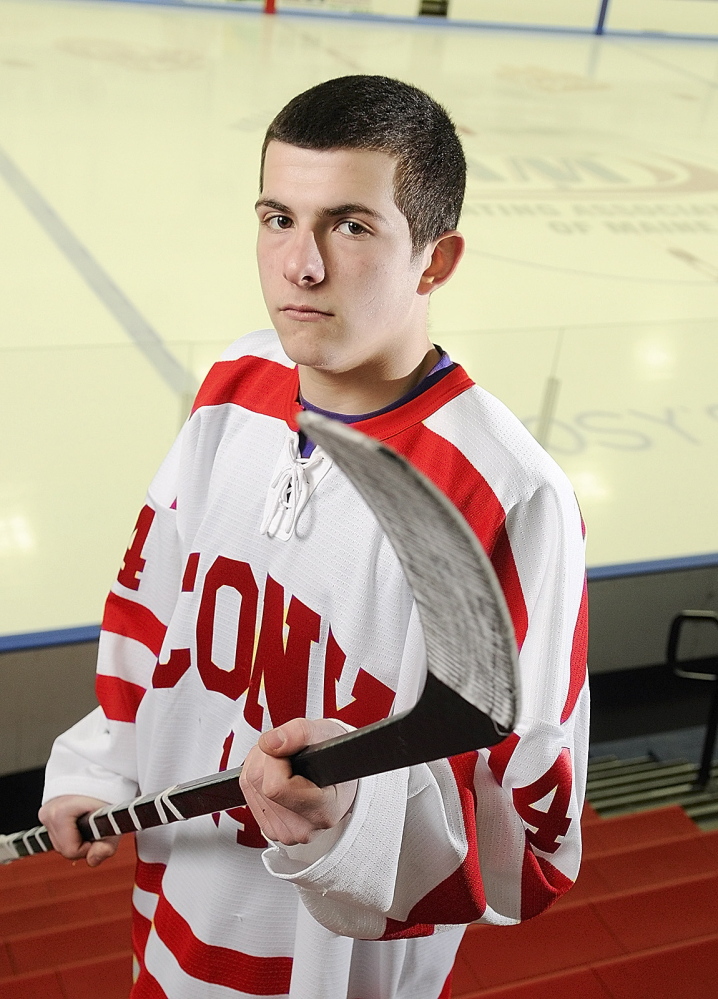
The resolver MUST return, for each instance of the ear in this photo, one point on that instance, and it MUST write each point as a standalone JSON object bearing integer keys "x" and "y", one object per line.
{"x": 444, "y": 255}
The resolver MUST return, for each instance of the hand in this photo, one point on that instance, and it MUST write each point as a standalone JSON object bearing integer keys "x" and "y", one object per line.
{"x": 60, "y": 816}
{"x": 290, "y": 809}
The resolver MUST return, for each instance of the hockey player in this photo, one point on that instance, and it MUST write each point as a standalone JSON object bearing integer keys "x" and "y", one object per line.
{"x": 259, "y": 608}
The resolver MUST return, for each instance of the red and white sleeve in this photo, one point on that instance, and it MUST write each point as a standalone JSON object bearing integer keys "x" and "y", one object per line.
{"x": 491, "y": 836}
{"x": 97, "y": 756}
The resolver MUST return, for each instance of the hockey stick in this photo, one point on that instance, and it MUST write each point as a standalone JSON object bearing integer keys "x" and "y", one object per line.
{"x": 470, "y": 698}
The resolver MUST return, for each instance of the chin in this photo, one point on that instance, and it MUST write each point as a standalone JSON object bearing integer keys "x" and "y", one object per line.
{"x": 303, "y": 344}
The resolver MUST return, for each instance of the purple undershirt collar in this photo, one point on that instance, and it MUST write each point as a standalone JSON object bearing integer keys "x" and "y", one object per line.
{"x": 442, "y": 367}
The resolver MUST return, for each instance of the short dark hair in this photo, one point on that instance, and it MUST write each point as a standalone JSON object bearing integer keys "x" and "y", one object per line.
{"x": 379, "y": 113}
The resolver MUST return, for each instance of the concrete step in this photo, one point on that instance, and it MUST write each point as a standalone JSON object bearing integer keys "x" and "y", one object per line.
{"x": 549, "y": 957}
{"x": 106, "y": 977}
{"x": 622, "y": 787}
{"x": 558, "y": 940}
{"x": 101, "y": 903}
{"x": 81, "y": 879}
{"x": 41, "y": 950}
{"x": 649, "y": 774}
{"x": 685, "y": 796}
{"x": 687, "y": 969}
{"x": 636, "y": 829}
{"x": 644, "y": 867}
{"x": 617, "y": 767}
{"x": 598, "y": 766}
{"x": 581, "y": 984}
{"x": 51, "y": 866}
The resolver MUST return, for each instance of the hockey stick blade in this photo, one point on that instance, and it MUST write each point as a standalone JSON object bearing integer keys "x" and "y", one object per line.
{"x": 468, "y": 632}
{"x": 470, "y": 697}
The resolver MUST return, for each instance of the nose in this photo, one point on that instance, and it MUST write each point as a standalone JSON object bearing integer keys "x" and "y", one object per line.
{"x": 303, "y": 263}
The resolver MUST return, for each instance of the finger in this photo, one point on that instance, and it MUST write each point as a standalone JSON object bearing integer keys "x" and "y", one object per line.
{"x": 68, "y": 847}
{"x": 277, "y": 823}
{"x": 253, "y": 769}
{"x": 102, "y": 850}
{"x": 280, "y": 786}
{"x": 60, "y": 815}
{"x": 266, "y": 781}
{"x": 65, "y": 837}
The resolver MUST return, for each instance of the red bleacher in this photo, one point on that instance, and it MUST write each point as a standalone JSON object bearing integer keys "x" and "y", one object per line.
{"x": 641, "y": 923}
{"x": 64, "y": 929}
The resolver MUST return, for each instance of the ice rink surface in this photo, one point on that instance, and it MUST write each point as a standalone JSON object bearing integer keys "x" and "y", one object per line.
{"x": 129, "y": 145}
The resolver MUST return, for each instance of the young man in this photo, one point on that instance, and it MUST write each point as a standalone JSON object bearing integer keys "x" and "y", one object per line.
{"x": 259, "y": 595}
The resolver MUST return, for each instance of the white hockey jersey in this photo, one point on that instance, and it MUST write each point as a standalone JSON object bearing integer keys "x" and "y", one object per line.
{"x": 258, "y": 588}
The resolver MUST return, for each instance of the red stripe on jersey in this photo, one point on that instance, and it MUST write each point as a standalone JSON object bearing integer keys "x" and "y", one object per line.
{"x": 119, "y": 699}
{"x": 502, "y": 559}
{"x": 579, "y": 657}
{"x": 397, "y": 420}
{"x": 147, "y": 987}
{"x": 397, "y": 930}
{"x": 133, "y": 620}
{"x": 452, "y": 472}
{"x": 148, "y": 877}
{"x": 499, "y": 756}
{"x": 446, "y": 990}
{"x": 259, "y": 976}
{"x": 541, "y": 884}
{"x": 141, "y": 927}
{"x": 460, "y": 897}
{"x": 255, "y": 383}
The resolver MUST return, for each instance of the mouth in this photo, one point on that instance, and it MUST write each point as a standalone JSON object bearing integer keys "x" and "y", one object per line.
{"x": 304, "y": 313}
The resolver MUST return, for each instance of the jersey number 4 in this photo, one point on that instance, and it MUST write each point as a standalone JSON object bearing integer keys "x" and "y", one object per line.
{"x": 554, "y": 788}
{"x": 134, "y": 563}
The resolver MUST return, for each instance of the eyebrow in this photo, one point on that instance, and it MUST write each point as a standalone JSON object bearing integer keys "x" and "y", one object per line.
{"x": 276, "y": 205}
{"x": 351, "y": 208}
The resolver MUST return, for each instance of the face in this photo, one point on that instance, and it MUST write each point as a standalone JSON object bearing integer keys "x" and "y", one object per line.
{"x": 338, "y": 275}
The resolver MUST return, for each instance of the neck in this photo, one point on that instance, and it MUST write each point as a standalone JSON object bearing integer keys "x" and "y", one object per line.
{"x": 357, "y": 392}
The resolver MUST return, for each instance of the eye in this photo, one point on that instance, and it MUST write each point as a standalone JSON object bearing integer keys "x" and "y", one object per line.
{"x": 278, "y": 222}
{"x": 350, "y": 228}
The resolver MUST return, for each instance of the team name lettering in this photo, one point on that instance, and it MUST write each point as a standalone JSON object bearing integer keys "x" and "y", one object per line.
{"x": 271, "y": 667}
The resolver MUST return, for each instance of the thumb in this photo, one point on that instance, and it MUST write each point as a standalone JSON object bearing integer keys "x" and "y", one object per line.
{"x": 101, "y": 850}
{"x": 274, "y": 742}
{"x": 288, "y": 738}
{"x": 294, "y": 735}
